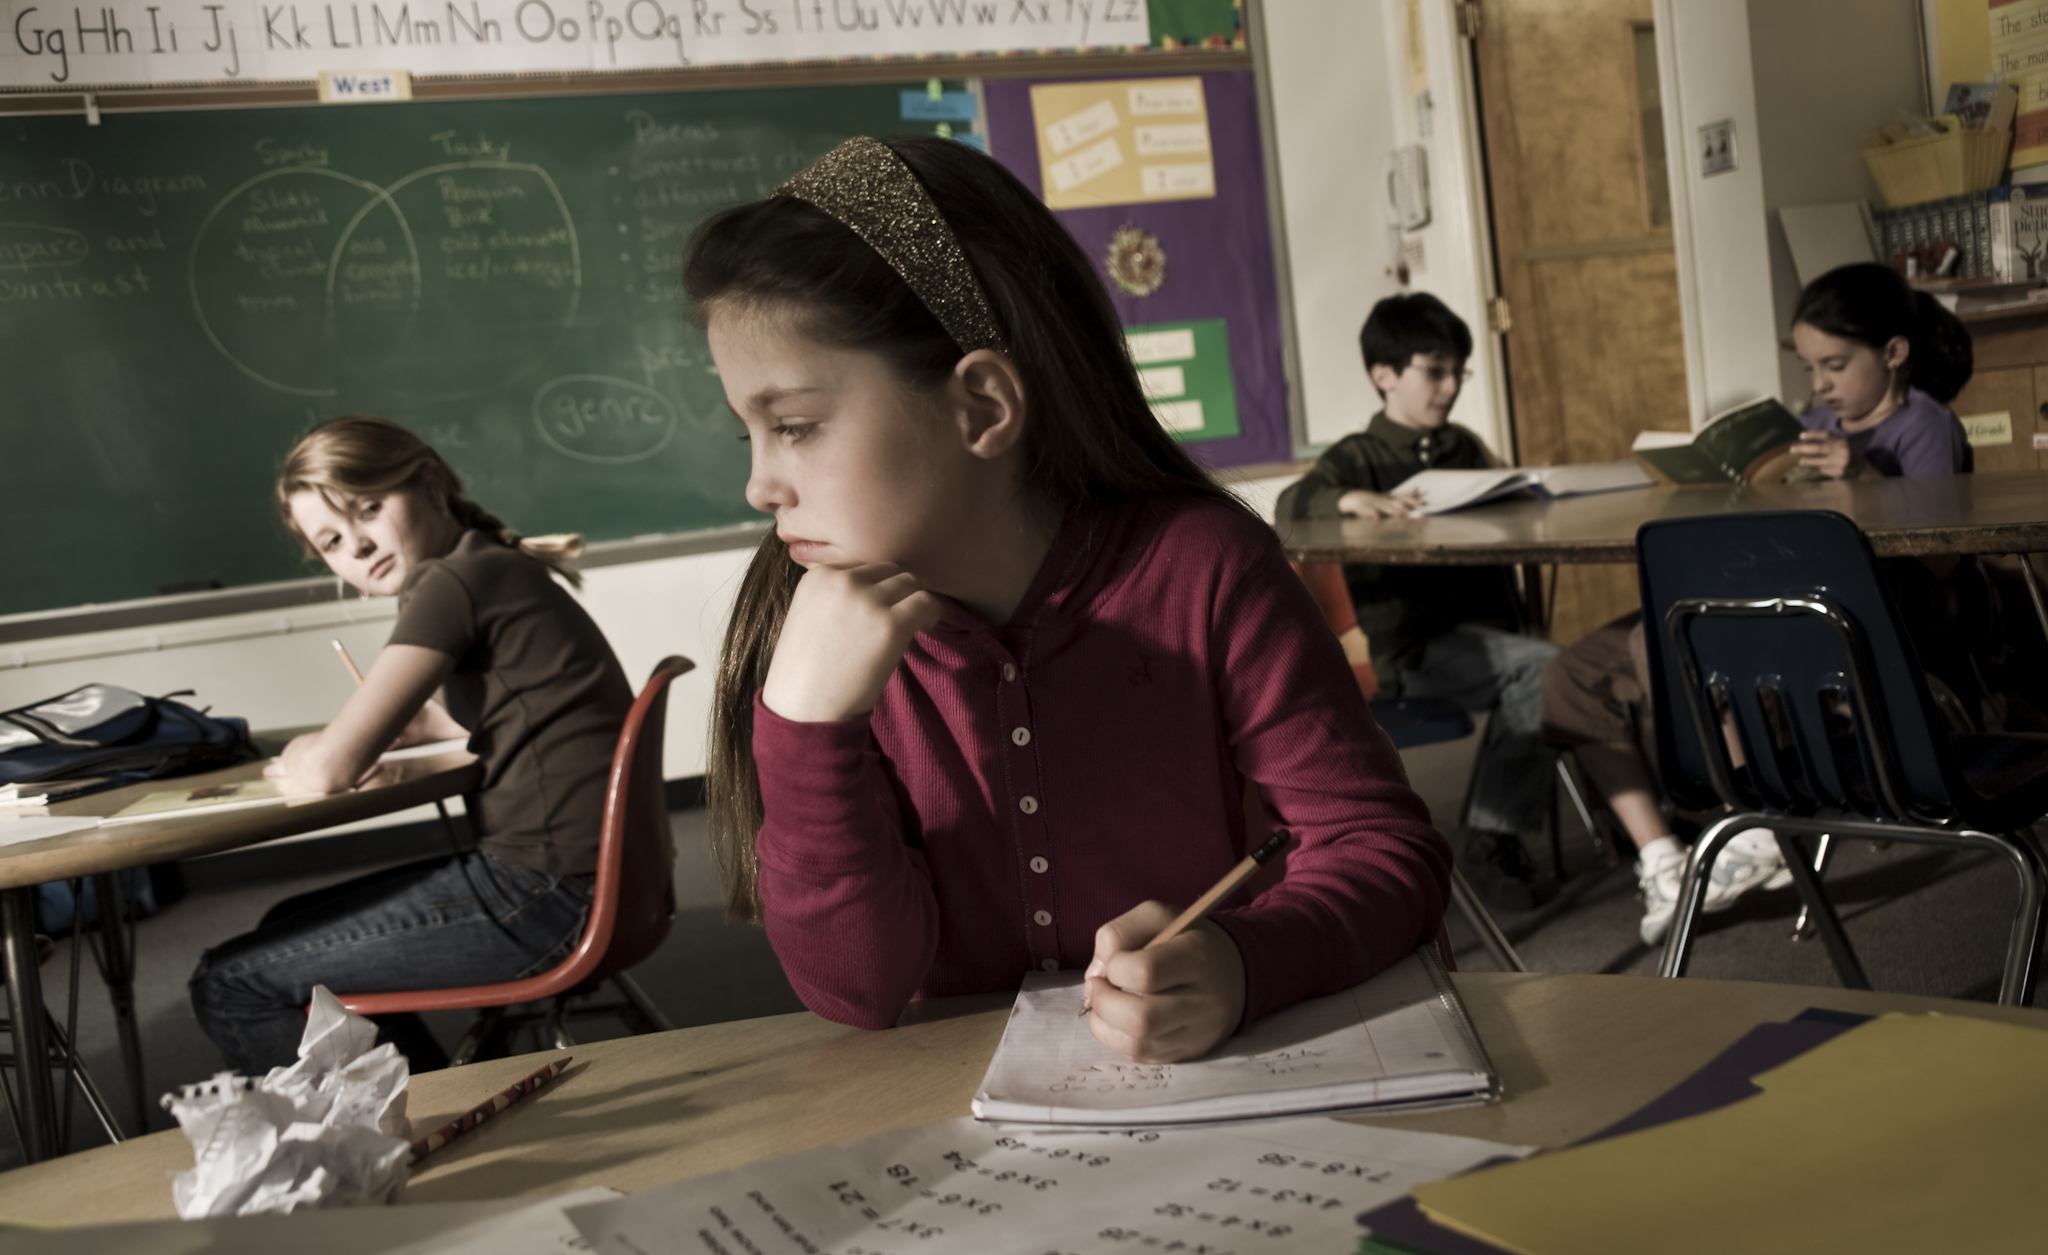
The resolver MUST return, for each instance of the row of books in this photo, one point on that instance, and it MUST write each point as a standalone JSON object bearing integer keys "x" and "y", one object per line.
{"x": 1964, "y": 221}
{"x": 2000, "y": 235}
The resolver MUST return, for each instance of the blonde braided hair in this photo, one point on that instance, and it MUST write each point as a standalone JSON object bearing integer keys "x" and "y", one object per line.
{"x": 363, "y": 456}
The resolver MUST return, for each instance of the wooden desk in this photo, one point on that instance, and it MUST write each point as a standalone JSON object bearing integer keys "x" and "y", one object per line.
{"x": 99, "y": 852}
{"x": 1992, "y": 512}
{"x": 1575, "y": 1053}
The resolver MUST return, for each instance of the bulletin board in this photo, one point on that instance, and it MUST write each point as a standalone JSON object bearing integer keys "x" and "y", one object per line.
{"x": 1161, "y": 179}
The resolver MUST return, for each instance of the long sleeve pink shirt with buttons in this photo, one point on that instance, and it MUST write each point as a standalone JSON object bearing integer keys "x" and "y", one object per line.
{"x": 1017, "y": 787}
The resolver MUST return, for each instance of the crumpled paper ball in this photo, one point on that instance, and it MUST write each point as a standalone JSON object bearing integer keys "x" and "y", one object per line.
{"x": 328, "y": 1131}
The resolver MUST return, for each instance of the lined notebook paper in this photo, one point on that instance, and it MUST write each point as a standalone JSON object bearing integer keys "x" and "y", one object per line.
{"x": 1400, "y": 1040}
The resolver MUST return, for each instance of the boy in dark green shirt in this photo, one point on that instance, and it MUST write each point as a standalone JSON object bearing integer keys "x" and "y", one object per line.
{"x": 1438, "y": 631}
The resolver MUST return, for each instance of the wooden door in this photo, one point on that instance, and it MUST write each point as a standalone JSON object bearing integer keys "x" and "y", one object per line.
{"x": 1574, "y": 141}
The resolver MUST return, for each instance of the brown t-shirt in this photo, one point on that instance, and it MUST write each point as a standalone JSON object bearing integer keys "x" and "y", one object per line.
{"x": 538, "y": 688}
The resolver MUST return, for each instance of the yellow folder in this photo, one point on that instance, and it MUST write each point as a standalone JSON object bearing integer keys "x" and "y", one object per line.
{"x": 1912, "y": 1133}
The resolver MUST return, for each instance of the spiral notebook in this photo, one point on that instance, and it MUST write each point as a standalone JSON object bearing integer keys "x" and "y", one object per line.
{"x": 1399, "y": 1041}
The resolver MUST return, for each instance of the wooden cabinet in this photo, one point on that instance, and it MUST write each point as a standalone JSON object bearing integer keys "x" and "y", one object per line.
{"x": 2011, "y": 379}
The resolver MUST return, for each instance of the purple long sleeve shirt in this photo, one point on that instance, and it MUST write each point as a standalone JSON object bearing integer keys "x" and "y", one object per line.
{"x": 1017, "y": 787}
{"x": 1921, "y": 437}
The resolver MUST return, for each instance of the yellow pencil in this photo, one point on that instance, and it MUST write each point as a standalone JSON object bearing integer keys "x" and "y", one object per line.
{"x": 1220, "y": 890}
{"x": 347, "y": 661}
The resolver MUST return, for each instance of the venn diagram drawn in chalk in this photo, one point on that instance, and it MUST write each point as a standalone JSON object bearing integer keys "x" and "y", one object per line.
{"x": 442, "y": 284}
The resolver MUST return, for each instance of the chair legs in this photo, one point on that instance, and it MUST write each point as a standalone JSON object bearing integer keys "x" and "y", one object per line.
{"x": 113, "y": 951}
{"x": 1568, "y": 779}
{"x": 550, "y": 1025}
{"x": 2023, "y": 941}
{"x": 1491, "y": 937}
{"x": 558, "y": 1028}
{"x": 1820, "y": 868}
{"x": 1815, "y": 907}
{"x": 86, "y": 1085}
{"x": 630, "y": 990}
{"x": 473, "y": 1037}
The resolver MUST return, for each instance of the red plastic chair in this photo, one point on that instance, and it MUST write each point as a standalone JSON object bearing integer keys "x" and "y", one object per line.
{"x": 1325, "y": 582}
{"x": 632, "y": 901}
{"x": 1408, "y": 724}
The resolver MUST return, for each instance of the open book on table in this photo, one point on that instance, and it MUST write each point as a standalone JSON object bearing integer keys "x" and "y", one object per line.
{"x": 1398, "y": 1041}
{"x": 1749, "y": 444}
{"x": 1443, "y": 491}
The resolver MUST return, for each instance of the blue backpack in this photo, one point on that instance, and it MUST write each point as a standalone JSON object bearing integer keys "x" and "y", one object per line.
{"x": 115, "y": 736}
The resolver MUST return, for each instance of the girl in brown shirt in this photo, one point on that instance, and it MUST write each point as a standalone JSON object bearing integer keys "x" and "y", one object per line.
{"x": 527, "y": 679}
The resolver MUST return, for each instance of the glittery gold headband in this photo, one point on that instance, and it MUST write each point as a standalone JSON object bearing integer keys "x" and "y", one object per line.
{"x": 866, "y": 186}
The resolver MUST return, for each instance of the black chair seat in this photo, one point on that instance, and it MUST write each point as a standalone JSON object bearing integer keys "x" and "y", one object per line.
{"x": 2009, "y": 767}
{"x": 1414, "y": 721}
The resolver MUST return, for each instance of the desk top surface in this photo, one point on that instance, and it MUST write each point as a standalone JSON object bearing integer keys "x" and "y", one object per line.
{"x": 1575, "y": 1054}
{"x": 397, "y": 786}
{"x": 1995, "y": 512}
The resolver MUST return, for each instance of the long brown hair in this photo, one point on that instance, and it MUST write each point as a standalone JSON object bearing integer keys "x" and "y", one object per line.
{"x": 362, "y": 456}
{"x": 1089, "y": 438}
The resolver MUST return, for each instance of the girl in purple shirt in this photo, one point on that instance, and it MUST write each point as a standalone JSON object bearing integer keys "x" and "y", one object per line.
{"x": 1885, "y": 361}
{"x": 1001, "y": 685}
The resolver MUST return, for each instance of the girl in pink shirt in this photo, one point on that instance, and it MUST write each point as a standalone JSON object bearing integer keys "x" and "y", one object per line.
{"x": 998, "y": 686}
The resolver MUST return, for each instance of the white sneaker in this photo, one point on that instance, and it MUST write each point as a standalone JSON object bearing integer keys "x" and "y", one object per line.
{"x": 1659, "y": 878}
{"x": 1750, "y": 860}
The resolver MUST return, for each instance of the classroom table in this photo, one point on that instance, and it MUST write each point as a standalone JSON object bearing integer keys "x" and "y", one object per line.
{"x": 1575, "y": 1054}
{"x": 1993, "y": 512}
{"x": 100, "y": 852}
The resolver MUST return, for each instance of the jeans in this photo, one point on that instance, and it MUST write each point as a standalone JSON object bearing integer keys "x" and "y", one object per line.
{"x": 1480, "y": 668}
{"x": 441, "y": 924}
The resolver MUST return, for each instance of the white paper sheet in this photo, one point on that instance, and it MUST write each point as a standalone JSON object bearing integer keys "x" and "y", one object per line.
{"x": 428, "y": 750}
{"x": 1390, "y": 1040}
{"x": 1444, "y": 491}
{"x": 961, "y": 1187}
{"x": 15, "y": 829}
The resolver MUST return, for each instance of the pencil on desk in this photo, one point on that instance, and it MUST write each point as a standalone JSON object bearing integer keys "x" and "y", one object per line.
{"x": 477, "y": 1115}
{"x": 347, "y": 661}
{"x": 1220, "y": 890}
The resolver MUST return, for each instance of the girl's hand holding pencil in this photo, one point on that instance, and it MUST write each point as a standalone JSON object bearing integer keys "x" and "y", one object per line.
{"x": 1166, "y": 985}
{"x": 847, "y": 629}
{"x": 1164, "y": 1003}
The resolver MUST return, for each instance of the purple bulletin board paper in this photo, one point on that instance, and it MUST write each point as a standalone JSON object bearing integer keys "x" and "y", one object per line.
{"x": 1219, "y": 252}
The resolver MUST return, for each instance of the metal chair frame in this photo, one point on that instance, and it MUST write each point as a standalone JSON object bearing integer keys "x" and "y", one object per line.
{"x": 612, "y": 939}
{"x": 1917, "y": 823}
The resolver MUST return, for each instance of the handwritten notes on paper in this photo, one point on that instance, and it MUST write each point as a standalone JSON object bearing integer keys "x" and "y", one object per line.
{"x": 1394, "y": 1040}
{"x": 1123, "y": 142}
{"x": 1291, "y": 1185}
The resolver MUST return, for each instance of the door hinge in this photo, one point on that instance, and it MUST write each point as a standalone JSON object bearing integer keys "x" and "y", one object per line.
{"x": 1500, "y": 318}
{"x": 1468, "y": 19}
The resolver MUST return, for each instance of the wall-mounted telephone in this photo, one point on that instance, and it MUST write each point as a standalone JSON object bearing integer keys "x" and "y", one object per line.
{"x": 1408, "y": 187}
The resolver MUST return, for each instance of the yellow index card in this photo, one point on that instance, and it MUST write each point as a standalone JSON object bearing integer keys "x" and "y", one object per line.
{"x": 1912, "y": 1133}
{"x": 1123, "y": 142}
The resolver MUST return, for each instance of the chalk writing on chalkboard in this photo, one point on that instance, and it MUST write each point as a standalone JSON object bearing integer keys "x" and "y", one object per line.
{"x": 595, "y": 418}
{"x": 182, "y": 293}
{"x": 355, "y": 271}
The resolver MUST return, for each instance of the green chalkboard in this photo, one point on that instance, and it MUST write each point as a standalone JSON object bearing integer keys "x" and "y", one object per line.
{"x": 182, "y": 293}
